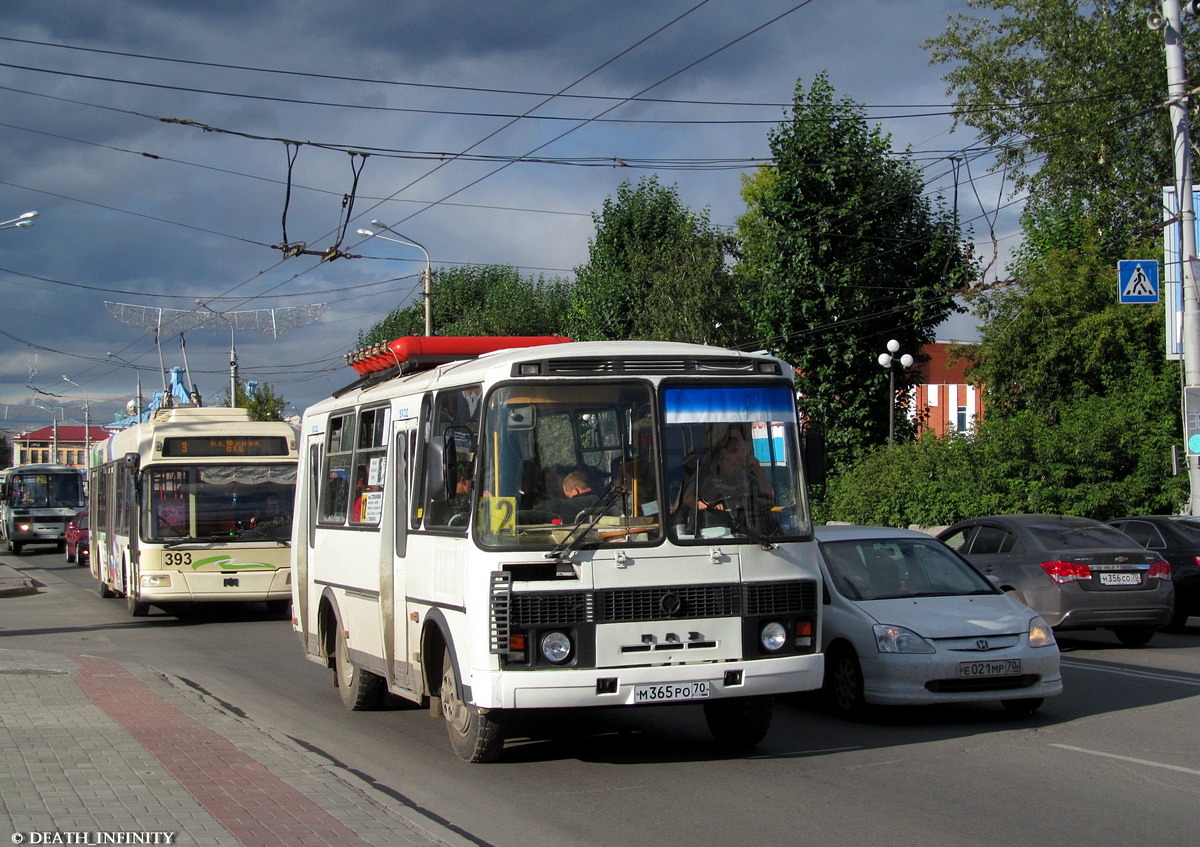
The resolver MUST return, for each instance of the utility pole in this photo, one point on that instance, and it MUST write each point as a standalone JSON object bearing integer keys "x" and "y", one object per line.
{"x": 1171, "y": 23}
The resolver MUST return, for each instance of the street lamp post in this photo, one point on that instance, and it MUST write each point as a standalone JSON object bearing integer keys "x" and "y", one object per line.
{"x": 427, "y": 277}
{"x": 889, "y": 360}
{"x": 138, "y": 372}
{"x": 24, "y": 221}
{"x": 87, "y": 421}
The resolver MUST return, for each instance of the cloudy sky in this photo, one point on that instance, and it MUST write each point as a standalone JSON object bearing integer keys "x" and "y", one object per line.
{"x": 169, "y": 147}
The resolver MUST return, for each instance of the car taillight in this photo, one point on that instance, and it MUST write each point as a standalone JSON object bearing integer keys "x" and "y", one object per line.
{"x": 1066, "y": 571}
{"x": 1159, "y": 570}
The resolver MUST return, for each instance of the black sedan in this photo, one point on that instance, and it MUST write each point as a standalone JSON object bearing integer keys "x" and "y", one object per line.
{"x": 1075, "y": 572}
{"x": 1177, "y": 539}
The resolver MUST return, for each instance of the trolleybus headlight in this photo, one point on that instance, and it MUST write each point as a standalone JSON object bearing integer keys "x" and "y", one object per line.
{"x": 773, "y": 636}
{"x": 556, "y": 647}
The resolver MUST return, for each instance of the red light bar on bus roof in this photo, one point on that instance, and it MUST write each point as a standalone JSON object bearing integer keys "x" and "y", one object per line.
{"x": 431, "y": 350}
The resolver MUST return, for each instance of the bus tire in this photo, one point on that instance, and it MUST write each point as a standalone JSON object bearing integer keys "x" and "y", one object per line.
{"x": 14, "y": 547}
{"x": 105, "y": 592}
{"x": 137, "y": 609}
{"x": 739, "y": 722}
{"x": 475, "y": 736}
{"x": 360, "y": 690}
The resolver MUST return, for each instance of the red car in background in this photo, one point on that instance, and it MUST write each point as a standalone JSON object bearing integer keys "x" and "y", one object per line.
{"x": 77, "y": 538}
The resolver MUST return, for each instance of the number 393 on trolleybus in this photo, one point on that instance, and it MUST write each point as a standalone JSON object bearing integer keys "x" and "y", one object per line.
{"x": 486, "y": 525}
{"x": 193, "y": 506}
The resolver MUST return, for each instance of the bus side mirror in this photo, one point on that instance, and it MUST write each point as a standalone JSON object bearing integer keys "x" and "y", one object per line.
{"x": 131, "y": 461}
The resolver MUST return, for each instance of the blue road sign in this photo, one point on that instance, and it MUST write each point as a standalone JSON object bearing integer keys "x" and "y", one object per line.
{"x": 1137, "y": 281}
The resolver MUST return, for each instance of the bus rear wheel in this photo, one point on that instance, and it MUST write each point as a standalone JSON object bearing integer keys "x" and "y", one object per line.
{"x": 360, "y": 690}
{"x": 476, "y": 736}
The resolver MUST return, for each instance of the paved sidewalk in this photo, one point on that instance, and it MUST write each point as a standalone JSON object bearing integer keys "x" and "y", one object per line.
{"x": 92, "y": 746}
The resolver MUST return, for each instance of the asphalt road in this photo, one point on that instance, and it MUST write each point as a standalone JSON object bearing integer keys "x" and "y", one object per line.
{"x": 1114, "y": 761}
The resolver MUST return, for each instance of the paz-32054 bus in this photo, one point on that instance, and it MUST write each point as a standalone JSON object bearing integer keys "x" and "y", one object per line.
{"x": 37, "y": 502}
{"x": 486, "y": 525}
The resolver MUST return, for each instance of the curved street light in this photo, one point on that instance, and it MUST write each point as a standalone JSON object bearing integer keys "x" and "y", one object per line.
{"x": 427, "y": 277}
{"x": 889, "y": 360}
{"x": 24, "y": 221}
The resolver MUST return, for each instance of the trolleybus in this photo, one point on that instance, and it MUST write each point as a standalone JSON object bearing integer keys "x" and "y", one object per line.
{"x": 487, "y": 525}
{"x": 193, "y": 505}
{"x": 36, "y": 502}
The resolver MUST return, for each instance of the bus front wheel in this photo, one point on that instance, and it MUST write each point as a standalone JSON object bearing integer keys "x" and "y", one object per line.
{"x": 137, "y": 609}
{"x": 360, "y": 690}
{"x": 476, "y": 736}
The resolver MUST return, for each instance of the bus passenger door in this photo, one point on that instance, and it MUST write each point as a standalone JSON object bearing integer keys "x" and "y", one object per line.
{"x": 393, "y": 548}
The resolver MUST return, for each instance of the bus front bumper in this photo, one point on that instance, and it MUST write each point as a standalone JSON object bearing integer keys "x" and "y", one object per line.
{"x": 176, "y": 587}
{"x": 546, "y": 689}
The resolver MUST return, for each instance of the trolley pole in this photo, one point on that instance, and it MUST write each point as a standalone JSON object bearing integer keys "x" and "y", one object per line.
{"x": 1171, "y": 23}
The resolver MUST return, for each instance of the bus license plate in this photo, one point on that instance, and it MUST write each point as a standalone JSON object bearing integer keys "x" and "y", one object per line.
{"x": 670, "y": 692}
{"x": 998, "y": 667}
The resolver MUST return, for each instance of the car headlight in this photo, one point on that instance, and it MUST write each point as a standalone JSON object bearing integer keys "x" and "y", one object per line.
{"x": 773, "y": 636}
{"x": 1040, "y": 633}
{"x": 897, "y": 639}
{"x": 556, "y": 647}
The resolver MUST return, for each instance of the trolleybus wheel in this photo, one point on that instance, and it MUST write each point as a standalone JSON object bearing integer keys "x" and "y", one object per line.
{"x": 360, "y": 690}
{"x": 740, "y": 721}
{"x": 137, "y": 609}
{"x": 105, "y": 592}
{"x": 475, "y": 736}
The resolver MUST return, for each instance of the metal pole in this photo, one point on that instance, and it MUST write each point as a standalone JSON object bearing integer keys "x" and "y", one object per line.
{"x": 891, "y": 404}
{"x": 1181, "y": 139}
{"x": 428, "y": 292}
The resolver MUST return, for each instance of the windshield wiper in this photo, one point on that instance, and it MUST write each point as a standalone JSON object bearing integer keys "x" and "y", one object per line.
{"x": 567, "y": 545}
{"x": 731, "y": 520}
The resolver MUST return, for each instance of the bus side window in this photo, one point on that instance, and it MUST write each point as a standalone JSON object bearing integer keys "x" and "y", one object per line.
{"x": 335, "y": 488}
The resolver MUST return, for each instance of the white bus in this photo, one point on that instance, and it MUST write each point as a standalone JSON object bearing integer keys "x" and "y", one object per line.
{"x": 36, "y": 503}
{"x": 438, "y": 552}
{"x": 192, "y": 506}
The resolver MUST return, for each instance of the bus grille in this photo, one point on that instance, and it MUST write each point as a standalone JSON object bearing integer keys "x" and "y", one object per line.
{"x": 501, "y": 611}
{"x": 664, "y": 603}
{"x": 780, "y": 598}
{"x": 617, "y": 605}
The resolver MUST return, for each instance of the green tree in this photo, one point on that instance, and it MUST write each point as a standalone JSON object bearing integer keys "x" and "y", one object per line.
{"x": 480, "y": 300}
{"x": 263, "y": 405}
{"x": 840, "y": 251}
{"x": 1069, "y": 93}
{"x": 655, "y": 270}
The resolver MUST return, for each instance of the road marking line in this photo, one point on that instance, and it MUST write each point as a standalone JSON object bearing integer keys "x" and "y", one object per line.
{"x": 1192, "y": 771}
{"x": 1164, "y": 676}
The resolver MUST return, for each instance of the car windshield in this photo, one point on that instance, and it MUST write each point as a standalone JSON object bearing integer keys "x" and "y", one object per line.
{"x": 1067, "y": 536}
{"x": 877, "y": 569}
{"x": 207, "y": 501}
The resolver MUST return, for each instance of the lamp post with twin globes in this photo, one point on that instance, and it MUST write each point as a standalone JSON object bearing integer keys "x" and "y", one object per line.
{"x": 889, "y": 360}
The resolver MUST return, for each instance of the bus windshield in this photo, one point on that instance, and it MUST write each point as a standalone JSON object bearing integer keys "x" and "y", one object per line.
{"x": 198, "y": 502}
{"x": 562, "y": 466}
{"x": 47, "y": 490}
{"x": 731, "y": 462}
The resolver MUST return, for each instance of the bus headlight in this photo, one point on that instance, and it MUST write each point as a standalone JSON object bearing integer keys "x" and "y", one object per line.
{"x": 556, "y": 647}
{"x": 156, "y": 581}
{"x": 773, "y": 636}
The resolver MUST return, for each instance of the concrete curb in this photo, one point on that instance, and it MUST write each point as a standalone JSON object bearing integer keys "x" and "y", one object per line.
{"x": 13, "y": 583}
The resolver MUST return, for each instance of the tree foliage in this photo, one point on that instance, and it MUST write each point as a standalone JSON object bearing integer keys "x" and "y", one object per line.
{"x": 263, "y": 404}
{"x": 480, "y": 300}
{"x": 1069, "y": 93}
{"x": 840, "y": 251}
{"x": 655, "y": 270}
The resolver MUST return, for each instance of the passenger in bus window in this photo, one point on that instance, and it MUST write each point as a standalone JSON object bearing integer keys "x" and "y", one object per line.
{"x": 172, "y": 518}
{"x": 360, "y": 494}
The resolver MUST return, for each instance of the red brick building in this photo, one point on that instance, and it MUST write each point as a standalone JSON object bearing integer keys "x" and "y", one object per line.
{"x": 942, "y": 399}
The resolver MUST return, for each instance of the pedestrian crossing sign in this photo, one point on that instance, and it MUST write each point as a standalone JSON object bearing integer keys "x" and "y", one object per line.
{"x": 1137, "y": 281}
